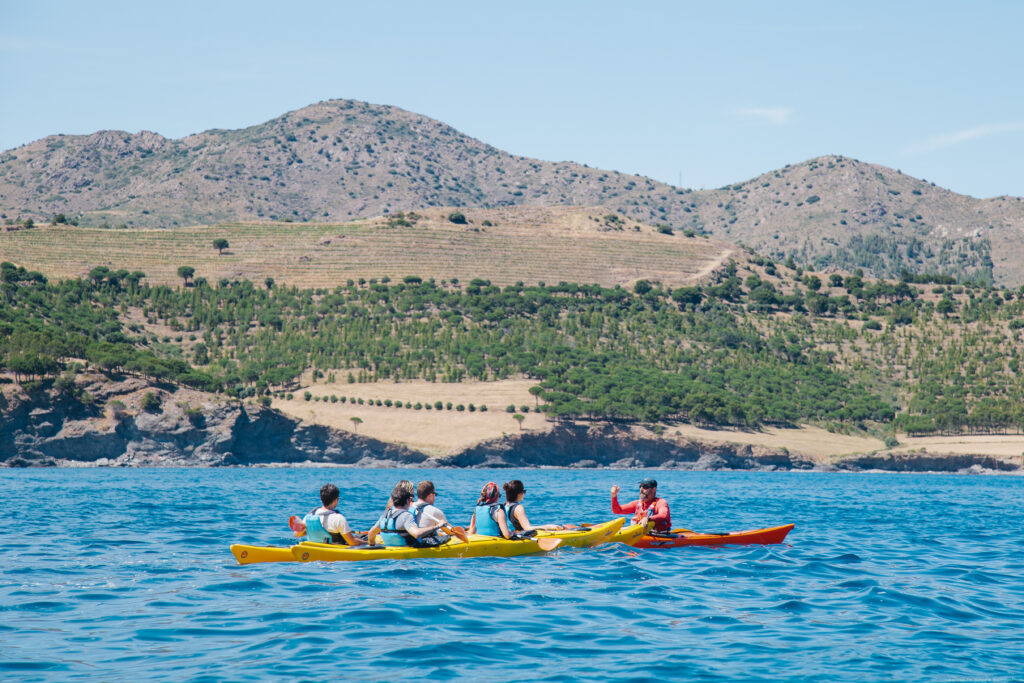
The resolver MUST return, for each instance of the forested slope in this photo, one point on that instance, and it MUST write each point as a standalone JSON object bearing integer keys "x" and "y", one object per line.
{"x": 761, "y": 343}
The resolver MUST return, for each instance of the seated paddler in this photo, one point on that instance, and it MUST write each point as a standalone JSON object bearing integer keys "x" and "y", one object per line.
{"x": 325, "y": 524}
{"x": 649, "y": 506}
{"x": 398, "y": 525}
{"x": 489, "y": 518}
{"x": 425, "y": 509}
{"x": 515, "y": 491}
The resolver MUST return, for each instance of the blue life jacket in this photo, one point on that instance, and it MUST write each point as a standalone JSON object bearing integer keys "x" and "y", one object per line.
{"x": 390, "y": 534}
{"x": 485, "y": 522}
{"x": 513, "y": 522}
{"x": 315, "y": 527}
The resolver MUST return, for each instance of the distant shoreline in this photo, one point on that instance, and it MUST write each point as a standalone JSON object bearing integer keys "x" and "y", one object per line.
{"x": 563, "y": 447}
{"x": 194, "y": 429}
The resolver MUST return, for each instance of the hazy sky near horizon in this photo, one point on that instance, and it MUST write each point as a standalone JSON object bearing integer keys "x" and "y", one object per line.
{"x": 702, "y": 94}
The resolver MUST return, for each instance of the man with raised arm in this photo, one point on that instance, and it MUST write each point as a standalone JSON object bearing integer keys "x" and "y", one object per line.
{"x": 648, "y": 506}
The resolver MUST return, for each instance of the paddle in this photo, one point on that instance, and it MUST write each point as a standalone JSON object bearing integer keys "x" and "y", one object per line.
{"x": 548, "y": 544}
{"x": 458, "y": 532}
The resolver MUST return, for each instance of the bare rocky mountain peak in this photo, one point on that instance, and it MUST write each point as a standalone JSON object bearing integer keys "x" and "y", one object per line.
{"x": 339, "y": 160}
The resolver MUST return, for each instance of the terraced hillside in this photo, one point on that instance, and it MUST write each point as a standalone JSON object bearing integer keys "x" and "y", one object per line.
{"x": 504, "y": 245}
{"x": 343, "y": 160}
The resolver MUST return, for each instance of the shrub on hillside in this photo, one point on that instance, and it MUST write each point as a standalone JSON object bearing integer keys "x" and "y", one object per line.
{"x": 150, "y": 402}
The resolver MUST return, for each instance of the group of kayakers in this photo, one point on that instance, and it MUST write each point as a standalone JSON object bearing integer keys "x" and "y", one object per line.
{"x": 411, "y": 517}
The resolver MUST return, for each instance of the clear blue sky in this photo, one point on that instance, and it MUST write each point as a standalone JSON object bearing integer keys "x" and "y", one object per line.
{"x": 710, "y": 93}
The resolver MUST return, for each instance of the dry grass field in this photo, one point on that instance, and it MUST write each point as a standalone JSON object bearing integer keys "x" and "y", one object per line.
{"x": 450, "y": 431}
{"x": 809, "y": 440}
{"x": 522, "y": 244}
{"x": 430, "y": 431}
{"x": 1004, "y": 445}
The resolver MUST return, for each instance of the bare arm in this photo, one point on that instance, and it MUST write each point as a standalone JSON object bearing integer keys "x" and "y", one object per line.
{"x": 503, "y": 523}
{"x": 524, "y": 522}
{"x": 421, "y": 531}
{"x": 472, "y": 525}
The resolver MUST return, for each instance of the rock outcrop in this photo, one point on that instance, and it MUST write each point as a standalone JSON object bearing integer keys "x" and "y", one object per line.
{"x": 50, "y": 428}
{"x": 609, "y": 446}
{"x": 182, "y": 428}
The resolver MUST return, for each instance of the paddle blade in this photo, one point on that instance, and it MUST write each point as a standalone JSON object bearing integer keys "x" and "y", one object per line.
{"x": 458, "y": 532}
{"x": 549, "y": 544}
{"x": 297, "y": 525}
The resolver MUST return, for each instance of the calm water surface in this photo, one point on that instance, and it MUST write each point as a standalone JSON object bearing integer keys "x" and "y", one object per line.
{"x": 125, "y": 574}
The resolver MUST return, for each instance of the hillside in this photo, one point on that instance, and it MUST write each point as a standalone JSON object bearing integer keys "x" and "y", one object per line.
{"x": 757, "y": 344}
{"x": 342, "y": 160}
{"x": 504, "y": 245}
{"x": 843, "y": 213}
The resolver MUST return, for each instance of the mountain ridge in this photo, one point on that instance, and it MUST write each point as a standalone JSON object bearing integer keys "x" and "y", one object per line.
{"x": 340, "y": 159}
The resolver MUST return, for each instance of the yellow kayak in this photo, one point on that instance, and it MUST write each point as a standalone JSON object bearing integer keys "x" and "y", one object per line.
{"x": 251, "y": 554}
{"x": 629, "y": 535}
{"x": 478, "y": 546}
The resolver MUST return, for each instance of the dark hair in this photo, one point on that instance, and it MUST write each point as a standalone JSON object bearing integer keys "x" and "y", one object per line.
{"x": 424, "y": 489}
{"x": 513, "y": 489}
{"x": 400, "y": 496}
{"x": 328, "y": 494}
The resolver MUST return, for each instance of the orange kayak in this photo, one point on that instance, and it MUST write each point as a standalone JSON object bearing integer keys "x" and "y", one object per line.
{"x": 679, "y": 538}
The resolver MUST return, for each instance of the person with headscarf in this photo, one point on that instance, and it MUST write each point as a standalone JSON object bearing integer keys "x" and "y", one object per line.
{"x": 489, "y": 517}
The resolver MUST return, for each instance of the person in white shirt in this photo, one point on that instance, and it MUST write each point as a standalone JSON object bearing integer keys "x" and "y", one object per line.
{"x": 399, "y": 527}
{"x": 325, "y": 524}
{"x": 423, "y": 509}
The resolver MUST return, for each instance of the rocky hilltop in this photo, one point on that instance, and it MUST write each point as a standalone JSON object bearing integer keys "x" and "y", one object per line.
{"x": 341, "y": 159}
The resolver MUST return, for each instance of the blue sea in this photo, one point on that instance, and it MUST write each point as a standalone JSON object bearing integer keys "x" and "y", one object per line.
{"x": 125, "y": 574}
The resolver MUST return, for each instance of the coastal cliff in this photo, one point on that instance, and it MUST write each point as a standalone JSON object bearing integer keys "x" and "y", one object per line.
{"x": 177, "y": 428}
{"x": 131, "y": 423}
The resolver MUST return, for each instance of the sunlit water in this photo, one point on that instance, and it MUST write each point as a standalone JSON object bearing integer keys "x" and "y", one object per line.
{"x": 126, "y": 574}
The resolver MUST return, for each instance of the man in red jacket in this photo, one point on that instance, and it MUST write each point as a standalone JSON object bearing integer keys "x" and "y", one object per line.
{"x": 649, "y": 504}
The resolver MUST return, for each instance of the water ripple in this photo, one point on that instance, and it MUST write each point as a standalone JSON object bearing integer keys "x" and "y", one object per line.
{"x": 885, "y": 577}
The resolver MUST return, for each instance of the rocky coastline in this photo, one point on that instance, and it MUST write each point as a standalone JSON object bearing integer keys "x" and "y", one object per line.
{"x": 177, "y": 428}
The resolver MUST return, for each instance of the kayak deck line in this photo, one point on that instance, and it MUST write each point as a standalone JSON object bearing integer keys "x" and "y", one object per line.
{"x": 478, "y": 546}
{"x": 681, "y": 538}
